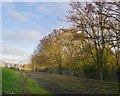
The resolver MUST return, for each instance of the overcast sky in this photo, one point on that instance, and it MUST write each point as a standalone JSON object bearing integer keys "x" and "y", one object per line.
{"x": 24, "y": 24}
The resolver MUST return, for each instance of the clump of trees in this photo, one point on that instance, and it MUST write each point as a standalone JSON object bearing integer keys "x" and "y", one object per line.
{"x": 91, "y": 49}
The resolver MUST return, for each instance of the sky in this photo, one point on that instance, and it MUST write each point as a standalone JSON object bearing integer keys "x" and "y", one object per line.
{"x": 25, "y": 23}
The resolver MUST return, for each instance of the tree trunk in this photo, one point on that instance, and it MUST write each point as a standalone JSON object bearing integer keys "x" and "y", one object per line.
{"x": 101, "y": 74}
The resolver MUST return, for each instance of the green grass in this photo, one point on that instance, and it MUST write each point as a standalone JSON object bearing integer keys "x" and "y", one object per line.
{"x": 34, "y": 87}
{"x": 90, "y": 86}
{"x": 0, "y": 81}
{"x": 11, "y": 83}
{"x": 82, "y": 85}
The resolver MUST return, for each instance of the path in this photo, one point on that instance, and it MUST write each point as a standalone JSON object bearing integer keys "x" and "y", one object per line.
{"x": 23, "y": 85}
{"x": 50, "y": 83}
{"x": 61, "y": 84}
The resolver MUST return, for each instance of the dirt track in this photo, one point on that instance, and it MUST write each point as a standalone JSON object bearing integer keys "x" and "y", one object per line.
{"x": 61, "y": 84}
{"x": 49, "y": 83}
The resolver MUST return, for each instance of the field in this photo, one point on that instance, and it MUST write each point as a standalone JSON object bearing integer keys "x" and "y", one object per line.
{"x": 16, "y": 82}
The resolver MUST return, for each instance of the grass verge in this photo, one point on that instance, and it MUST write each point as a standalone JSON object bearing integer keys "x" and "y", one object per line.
{"x": 0, "y": 81}
{"x": 11, "y": 83}
{"x": 33, "y": 86}
{"x": 81, "y": 85}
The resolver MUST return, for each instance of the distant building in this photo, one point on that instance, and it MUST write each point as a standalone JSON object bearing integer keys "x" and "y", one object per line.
{"x": 2, "y": 63}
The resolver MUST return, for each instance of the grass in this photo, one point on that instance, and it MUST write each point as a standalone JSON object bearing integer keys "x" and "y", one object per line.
{"x": 89, "y": 86}
{"x": 0, "y": 81}
{"x": 33, "y": 87}
{"x": 81, "y": 85}
{"x": 11, "y": 83}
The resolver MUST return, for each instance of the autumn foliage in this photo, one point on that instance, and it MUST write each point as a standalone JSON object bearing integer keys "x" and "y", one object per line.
{"x": 90, "y": 49}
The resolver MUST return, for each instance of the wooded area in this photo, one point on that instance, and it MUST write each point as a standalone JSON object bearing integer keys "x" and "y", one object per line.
{"x": 90, "y": 49}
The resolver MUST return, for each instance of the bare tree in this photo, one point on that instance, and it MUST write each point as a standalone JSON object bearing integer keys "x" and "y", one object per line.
{"x": 94, "y": 20}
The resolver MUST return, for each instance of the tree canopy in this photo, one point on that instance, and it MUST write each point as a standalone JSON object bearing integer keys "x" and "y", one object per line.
{"x": 90, "y": 49}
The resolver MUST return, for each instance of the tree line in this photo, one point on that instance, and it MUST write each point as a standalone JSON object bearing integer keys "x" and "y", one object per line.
{"x": 90, "y": 49}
